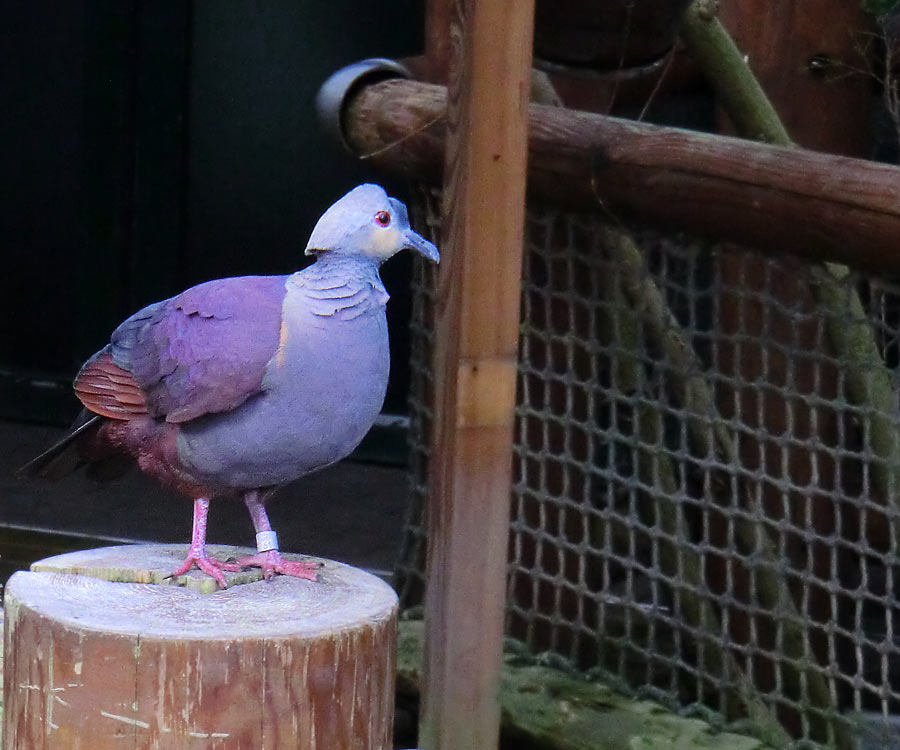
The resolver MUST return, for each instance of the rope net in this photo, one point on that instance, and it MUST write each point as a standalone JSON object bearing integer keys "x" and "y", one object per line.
{"x": 705, "y": 479}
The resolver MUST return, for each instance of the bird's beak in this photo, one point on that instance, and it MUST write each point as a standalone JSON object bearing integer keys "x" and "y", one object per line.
{"x": 414, "y": 241}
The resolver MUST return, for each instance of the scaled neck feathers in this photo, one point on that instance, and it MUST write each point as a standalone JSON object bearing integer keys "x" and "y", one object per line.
{"x": 343, "y": 287}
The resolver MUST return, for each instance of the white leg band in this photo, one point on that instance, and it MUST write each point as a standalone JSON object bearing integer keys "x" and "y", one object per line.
{"x": 266, "y": 540}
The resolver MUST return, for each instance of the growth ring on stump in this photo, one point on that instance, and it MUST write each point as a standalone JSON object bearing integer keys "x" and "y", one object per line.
{"x": 285, "y": 663}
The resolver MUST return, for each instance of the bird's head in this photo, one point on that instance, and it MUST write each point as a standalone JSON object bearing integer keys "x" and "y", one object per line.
{"x": 367, "y": 222}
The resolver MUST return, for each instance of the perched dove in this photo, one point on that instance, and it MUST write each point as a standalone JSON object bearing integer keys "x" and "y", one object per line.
{"x": 244, "y": 384}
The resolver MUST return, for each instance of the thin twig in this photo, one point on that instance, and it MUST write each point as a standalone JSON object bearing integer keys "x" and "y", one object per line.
{"x": 404, "y": 138}
{"x": 670, "y": 58}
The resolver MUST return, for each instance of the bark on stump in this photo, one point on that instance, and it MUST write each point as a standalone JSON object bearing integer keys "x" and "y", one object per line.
{"x": 92, "y": 663}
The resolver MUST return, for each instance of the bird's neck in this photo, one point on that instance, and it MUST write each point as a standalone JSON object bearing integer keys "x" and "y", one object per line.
{"x": 340, "y": 286}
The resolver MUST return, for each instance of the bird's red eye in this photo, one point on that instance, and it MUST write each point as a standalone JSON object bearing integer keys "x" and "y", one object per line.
{"x": 383, "y": 218}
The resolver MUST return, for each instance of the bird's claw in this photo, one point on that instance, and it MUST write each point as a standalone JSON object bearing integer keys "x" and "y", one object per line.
{"x": 273, "y": 563}
{"x": 206, "y": 564}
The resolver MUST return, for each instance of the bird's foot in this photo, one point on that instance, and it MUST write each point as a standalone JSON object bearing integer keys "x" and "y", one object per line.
{"x": 272, "y": 562}
{"x": 207, "y": 564}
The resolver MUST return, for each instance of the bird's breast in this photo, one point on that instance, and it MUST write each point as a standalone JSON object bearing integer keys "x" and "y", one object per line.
{"x": 323, "y": 389}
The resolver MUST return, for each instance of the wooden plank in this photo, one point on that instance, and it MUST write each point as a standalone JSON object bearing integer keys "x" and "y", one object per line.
{"x": 778, "y": 199}
{"x": 477, "y": 322}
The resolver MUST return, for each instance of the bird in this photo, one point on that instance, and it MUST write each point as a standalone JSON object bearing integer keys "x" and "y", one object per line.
{"x": 241, "y": 385}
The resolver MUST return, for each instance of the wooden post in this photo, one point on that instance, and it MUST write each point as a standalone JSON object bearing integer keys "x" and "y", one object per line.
{"x": 475, "y": 372}
{"x": 93, "y": 664}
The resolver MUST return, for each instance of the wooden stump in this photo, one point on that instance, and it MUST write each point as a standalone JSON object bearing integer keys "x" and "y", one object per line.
{"x": 287, "y": 663}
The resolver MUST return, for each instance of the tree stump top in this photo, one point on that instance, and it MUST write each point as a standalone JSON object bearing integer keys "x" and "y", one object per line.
{"x": 86, "y": 590}
{"x": 99, "y": 664}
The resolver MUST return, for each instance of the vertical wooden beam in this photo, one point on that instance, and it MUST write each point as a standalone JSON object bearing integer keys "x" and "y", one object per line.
{"x": 477, "y": 324}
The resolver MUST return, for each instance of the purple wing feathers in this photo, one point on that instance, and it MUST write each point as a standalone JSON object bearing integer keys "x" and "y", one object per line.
{"x": 205, "y": 350}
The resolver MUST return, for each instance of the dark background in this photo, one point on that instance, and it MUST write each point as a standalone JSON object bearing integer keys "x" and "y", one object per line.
{"x": 148, "y": 146}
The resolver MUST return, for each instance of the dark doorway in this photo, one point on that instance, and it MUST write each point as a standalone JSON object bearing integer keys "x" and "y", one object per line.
{"x": 148, "y": 146}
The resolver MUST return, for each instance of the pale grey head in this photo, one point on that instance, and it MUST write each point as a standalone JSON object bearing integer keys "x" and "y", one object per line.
{"x": 368, "y": 222}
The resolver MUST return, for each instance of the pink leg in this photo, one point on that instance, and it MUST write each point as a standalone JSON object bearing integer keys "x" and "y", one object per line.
{"x": 197, "y": 554}
{"x": 268, "y": 558}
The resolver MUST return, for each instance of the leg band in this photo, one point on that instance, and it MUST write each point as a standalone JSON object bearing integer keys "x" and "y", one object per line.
{"x": 266, "y": 540}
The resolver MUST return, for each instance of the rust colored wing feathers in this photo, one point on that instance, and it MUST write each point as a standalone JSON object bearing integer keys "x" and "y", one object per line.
{"x": 106, "y": 389}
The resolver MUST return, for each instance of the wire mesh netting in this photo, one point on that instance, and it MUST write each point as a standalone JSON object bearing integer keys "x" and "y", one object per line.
{"x": 706, "y": 477}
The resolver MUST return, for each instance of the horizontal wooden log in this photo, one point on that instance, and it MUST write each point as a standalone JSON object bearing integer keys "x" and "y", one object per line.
{"x": 92, "y": 664}
{"x": 779, "y": 200}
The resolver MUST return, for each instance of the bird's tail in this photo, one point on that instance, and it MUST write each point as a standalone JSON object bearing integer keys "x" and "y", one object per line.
{"x": 63, "y": 457}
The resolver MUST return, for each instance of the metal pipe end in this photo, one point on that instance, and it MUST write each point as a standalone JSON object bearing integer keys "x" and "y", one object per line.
{"x": 332, "y": 98}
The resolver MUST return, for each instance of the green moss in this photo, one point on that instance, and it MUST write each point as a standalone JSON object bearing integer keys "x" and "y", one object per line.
{"x": 545, "y": 708}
